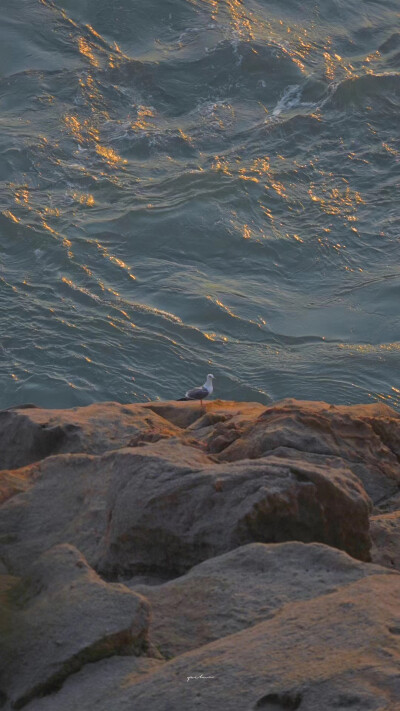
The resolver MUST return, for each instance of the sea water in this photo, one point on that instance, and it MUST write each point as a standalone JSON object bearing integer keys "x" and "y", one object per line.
{"x": 194, "y": 186}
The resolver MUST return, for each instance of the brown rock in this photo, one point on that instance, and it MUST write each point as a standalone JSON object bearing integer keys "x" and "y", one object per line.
{"x": 191, "y": 416}
{"x": 29, "y": 435}
{"x": 97, "y": 682}
{"x": 363, "y": 438}
{"x": 388, "y": 504}
{"x": 14, "y": 481}
{"x": 385, "y": 535}
{"x": 152, "y": 490}
{"x": 246, "y": 586}
{"x": 336, "y": 651}
{"x": 60, "y": 617}
{"x": 165, "y": 507}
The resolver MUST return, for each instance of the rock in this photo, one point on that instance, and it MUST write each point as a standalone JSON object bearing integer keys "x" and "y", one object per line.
{"x": 7, "y": 582}
{"x": 83, "y": 490}
{"x": 246, "y": 586}
{"x": 28, "y": 436}
{"x": 3, "y": 569}
{"x": 388, "y": 504}
{"x": 190, "y": 415}
{"x": 363, "y": 438}
{"x": 385, "y": 535}
{"x": 211, "y": 494}
{"x": 98, "y": 680}
{"x": 14, "y": 481}
{"x": 165, "y": 507}
{"x": 336, "y": 651}
{"x": 60, "y": 617}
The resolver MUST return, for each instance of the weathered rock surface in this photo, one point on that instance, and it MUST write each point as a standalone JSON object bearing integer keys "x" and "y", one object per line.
{"x": 30, "y": 434}
{"x": 364, "y": 438}
{"x": 61, "y": 616}
{"x": 165, "y": 507}
{"x": 14, "y": 481}
{"x": 388, "y": 504}
{"x": 152, "y": 490}
{"x": 385, "y": 534}
{"x": 336, "y": 651}
{"x": 190, "y": 416}
{"x": 97, "y": 681}
{"x": 228, "y": 593}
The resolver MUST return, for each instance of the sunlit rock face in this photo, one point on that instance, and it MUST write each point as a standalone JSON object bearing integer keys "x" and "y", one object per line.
{"x": 163, "y": 486}
{"x": 190, "y": 537}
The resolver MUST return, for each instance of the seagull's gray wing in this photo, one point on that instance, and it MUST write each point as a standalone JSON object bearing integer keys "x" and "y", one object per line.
{"x": 197, "y": 394}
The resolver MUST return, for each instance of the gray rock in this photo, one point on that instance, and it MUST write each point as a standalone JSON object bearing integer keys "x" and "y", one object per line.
{"x": 228, "y": 593}
{"x": 336, "y": 651}
{"x": 165, "y": 507}
{"x": 388, "y": 504}
{"x": 3, "y": 569}
{"x": 97, "y": 682}
{"x": 190, "y": 416}
{"x": 29, "y": 435}
{"x": 385, "y": 535}
{"x": 152, "y": 490}
{"x": 362, "y": 438}
{"x": 60, "y": 616}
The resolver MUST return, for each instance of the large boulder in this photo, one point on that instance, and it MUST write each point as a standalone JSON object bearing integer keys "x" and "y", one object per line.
{"x": 165, "y": 507}
{"x": 363, "y": 438}
{"x": 241, "y": 588}
{"x": 60, "y": 616}
{"x": 336, "y": 651}
{"x": 29, "y": 434}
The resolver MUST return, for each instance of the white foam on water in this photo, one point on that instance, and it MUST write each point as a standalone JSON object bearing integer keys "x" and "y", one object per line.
{"x": 289, "y": 99}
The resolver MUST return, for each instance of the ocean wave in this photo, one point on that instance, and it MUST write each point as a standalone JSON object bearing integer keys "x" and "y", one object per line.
{"x": 292, "y": 99}
{"x": 357, "y": 91}
{"x": 194, "y": 186}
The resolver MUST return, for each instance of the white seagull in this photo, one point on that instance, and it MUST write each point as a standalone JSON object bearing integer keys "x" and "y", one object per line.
{"x": 200, "y": 393}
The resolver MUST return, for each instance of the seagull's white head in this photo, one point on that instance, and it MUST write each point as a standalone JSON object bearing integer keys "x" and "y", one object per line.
{"x": 210, "y": 377}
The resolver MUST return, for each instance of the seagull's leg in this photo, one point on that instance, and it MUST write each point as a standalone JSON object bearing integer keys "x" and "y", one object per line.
{"x": 201, "y": 403}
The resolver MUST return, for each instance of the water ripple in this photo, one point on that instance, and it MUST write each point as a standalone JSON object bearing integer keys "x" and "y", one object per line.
{"x": 197, "y": 184}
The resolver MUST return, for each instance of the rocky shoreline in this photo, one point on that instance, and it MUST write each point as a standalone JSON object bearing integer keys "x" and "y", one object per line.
{"x": 162, "y": 556}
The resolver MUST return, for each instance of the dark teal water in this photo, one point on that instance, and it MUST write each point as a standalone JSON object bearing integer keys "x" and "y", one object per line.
{"x": 194, "y": 186}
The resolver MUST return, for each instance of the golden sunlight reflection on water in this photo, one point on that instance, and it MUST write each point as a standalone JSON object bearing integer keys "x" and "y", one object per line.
{"x": 125, "y": 155}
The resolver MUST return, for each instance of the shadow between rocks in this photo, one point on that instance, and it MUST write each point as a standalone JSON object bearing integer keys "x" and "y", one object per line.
{"x": 277, "y": 702}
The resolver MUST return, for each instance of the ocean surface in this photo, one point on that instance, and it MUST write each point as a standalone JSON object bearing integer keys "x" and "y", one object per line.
{"x": 195, "y": 186}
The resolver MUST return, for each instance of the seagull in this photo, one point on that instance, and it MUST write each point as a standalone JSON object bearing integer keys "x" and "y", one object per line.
{"x": 200, "y": 393}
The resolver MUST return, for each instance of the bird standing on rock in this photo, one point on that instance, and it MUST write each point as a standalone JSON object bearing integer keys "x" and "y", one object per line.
{"x": 200, "y": 393}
